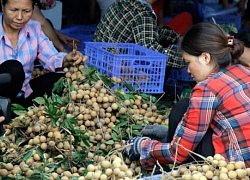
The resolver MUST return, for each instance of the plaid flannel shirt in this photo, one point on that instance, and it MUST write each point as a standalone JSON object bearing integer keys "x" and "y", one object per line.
{"x": 221, "y": 102}
{"x": 130, "y": 21}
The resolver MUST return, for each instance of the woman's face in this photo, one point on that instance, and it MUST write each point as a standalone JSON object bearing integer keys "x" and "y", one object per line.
{"x": 17, "y": 13}
{"x": 200, "y": 67}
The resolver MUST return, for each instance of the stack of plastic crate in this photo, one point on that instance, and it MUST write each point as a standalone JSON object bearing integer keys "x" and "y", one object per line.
{"x": 178, "y": 81}
{"x": 211, "y": 10}
{"x": 84, "y": 33}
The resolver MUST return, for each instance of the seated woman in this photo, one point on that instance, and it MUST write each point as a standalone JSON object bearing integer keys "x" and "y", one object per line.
{"x": 216, "y": 118}
{"x": 22, "y": 41}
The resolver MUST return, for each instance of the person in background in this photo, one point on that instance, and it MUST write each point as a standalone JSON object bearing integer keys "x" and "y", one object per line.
{"x": 104, "y": 5}
{"x": 59, "y": 39}
{"x": 244, "y": 8}
{"x": 215, "y": 120}
{"x": 134, "y": 21}
{"x": 22, "y": 41}
{"x": 180, "y": 23}
{"x": 158, "y": 9}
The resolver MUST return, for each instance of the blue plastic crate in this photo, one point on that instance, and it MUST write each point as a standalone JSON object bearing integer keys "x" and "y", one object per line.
{"x": 82, "y": 32}
{"x": 141, "y": 67}
{"x": 172, "y": 86}
{"x": 178, "y": 80}
{"x": 184, "y": 76}
{"x": 208, "y": 12}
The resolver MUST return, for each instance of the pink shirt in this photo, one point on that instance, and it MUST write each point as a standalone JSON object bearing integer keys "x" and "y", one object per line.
{"x": 32, "y": 45}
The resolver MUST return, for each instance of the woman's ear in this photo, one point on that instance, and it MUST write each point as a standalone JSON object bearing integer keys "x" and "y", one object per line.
{"x": 206, "y": 57}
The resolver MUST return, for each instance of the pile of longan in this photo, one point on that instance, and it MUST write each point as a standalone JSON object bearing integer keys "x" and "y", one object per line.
{"x": 215, "y": 168}
{"x": 97, "y": 110}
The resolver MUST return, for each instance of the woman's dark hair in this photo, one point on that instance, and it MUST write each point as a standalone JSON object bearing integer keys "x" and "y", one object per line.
{"x": 6, "y": 1}
{"x": 211, "y": 38}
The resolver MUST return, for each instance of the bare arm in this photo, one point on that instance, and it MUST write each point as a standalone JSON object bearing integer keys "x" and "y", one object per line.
{"x": 160, "y": 20}
{"x": 225, "y": 4}
{"x": 67, "y": 40}
{"x": 47, "y": 29}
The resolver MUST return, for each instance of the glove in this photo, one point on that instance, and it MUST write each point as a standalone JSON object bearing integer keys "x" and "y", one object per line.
{"x": 133, "y": 152}
{"x": 156, "y": 132}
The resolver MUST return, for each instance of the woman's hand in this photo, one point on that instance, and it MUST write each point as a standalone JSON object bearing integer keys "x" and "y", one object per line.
{"x": 2, "y": 118}
{"x": 74, "y": 58}
{"x": 67, "y": 40}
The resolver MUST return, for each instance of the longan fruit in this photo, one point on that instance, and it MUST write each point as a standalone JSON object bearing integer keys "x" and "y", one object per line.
{"x": 105, "y": 164}
{"x": 36, "y": 157}
{"x": 144, "y": 106}
{"x": 103, "y": 177}
{"x": 24, "y": 167}
{"x": 3, "y": 172}
{"x": 29, "y": 172}
{"x": 122, "y": 110}
{"x": 232, "y": 174}
{"x": 222, "y": 163}
{"x": 223, "y": 176}
{"x": 217, "y": 157}
{"x": 67, "y": 173}
{"x": 108, "y": 171}
{"x": 230, "y": 166}
{"x": 52, "y": 143}
{"x": 98, "y": 137}
{"x": 239, "y": 165}
{"x": 44, "y": 146}
{"x": 55, "y": 175}
{"x": 9, "y": 166}
{"x": 16, "y": 170}
{"x": 91, "y": 168}
{"x": 124, "y": 167}
{"x": 66, "y": 145}
{"x": 241, "y": 173}
{"x": 43, "y": 139}
{"x": 209, "y": 174}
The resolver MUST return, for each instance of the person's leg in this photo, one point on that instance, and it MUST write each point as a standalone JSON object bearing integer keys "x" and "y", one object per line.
{"x": 15, "y": 69}
{"x": 205, "y": 147}
{"x": 181, "y": 23}
{"x": 175, "y": 116}
{"x": 45, "y": 83}
{"x": 40, "y": 85}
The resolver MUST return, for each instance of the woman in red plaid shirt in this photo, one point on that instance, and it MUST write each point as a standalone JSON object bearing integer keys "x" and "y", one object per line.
{"x": 217, "y": 118}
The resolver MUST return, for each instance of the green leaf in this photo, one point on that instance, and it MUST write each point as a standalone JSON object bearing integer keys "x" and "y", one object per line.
{"x": 109, "y": 82}
{"x": 86, "y": 143}
{"x": 7, "y": 178}
{"x": 136, "y": 133}
{"x": 59, "y": 85}
{"x": 114, "y": 136}
{"x": 40, "y": 153}
{"x": 130, "y": 96}
{"x": 39, "y": 100}
{"x": 27, "y": 156}
{"x": 121, "y": 123}
{"x": 137, "y": 127}
{"x": 89, "y": 71}
{"x": 119, "y": 105}
{"x": 110, "y": 142}
{"x": 18, "y": 112}
{"x": 17, "y": 107}
{"x": 128, "y": 86}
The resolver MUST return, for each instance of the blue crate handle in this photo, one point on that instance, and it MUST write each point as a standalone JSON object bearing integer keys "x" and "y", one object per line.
{"x": 138, "y": 62}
